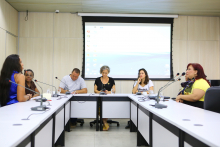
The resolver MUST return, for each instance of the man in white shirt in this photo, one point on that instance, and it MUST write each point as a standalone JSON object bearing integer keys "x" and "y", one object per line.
{"x": 73, "y": 83}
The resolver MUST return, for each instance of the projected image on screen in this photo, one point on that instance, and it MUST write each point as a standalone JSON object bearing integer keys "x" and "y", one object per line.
{"x": 127, "y": 47}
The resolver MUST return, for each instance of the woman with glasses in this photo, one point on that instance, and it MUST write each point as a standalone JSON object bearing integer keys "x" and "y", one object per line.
{"x": 29, "y": 75}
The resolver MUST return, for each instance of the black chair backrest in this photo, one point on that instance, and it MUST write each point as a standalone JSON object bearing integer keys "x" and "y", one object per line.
{"x": 212, "y": 99}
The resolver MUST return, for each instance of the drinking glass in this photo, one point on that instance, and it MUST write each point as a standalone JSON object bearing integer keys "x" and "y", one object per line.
{"x": 161, "y": 96}
{"x": 151, "y": 92}
{"x": 112, "y": 91}
{"x": 58, "y": 90}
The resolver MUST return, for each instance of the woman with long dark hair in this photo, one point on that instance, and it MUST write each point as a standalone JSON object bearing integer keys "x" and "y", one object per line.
{"x": 11, "y": 70}
{"x": 194, "y": 93}
{"x": 143, "y": 84}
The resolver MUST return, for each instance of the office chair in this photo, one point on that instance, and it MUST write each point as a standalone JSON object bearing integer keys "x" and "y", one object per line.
{"x": 81, "y": 121}
{"x": 212, "y": 99}
{"x": 108, "y": 121}
{"x": 128, "y": 125}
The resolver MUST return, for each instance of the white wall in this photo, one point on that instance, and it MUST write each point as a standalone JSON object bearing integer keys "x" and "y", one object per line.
{"x": 8, "y": 30}
{"x": 52, "y": 45}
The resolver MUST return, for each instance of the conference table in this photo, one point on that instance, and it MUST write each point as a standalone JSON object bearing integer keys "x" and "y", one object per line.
{"x": 109, "y": 106}
{"x": 41, "y": 129}
{"x": 177, "y": 125}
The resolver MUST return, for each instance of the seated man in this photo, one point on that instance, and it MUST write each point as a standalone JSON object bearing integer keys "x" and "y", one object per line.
{"x": 75, "y": 85}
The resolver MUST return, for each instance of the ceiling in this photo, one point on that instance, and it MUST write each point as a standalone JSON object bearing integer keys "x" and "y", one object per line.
{"x": 181, "y": 7}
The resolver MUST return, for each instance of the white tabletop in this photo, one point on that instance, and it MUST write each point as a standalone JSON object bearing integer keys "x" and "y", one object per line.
{"x": 13, "y": 114}
{"x": 176, "y": 112}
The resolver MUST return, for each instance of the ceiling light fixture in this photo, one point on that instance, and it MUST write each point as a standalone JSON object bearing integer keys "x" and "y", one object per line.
{"x": 129, "y": 15}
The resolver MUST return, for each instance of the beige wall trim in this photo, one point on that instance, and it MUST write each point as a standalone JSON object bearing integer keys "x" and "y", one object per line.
{"x": 200, "y": 15}
{"x": 5, "y": 43}
{"x": 8, "y": 32}
{"x": 53, "y": 56}
{"x": 18, "y": 33}
{"x": 10, "y": 5}
{"x": 11, "y": 34}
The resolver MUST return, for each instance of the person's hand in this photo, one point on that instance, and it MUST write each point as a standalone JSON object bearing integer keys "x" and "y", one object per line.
{"x": 74, "y": 92}
{"x": 178, "y": 99}
{"x": 106, "y": 91}
{"x": 139, "y": 80}
{"x": 30, "y": 96}
{"x": 113, "y": 90}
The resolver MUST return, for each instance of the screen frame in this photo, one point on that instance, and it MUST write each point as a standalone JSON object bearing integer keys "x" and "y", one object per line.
{"x": 128, "y": 20}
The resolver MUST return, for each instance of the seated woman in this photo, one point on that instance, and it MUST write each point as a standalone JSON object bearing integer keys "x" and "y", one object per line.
{"x": 29, "y": 75}
{"x": 105, "y": 84}
{"x": 11, "y": 93}
{"x": 143, "y": 84}
{"x": 193, "y": 92}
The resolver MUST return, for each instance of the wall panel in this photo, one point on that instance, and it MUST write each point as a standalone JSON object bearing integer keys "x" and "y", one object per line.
{"x": 194, "y": 38}
{"x": 180, "y": 34}
{"x": 68, "y": 54}
{"x": 11, "y": 44}
{"x": 180, "y": 56}
{"x": 11, "y": 19}
{"x": 67, "y": 25}
{"x": 8, "y": 18}
{"x": 3, "y": 15}
{"x": 193, "y": 52}
{"x": 37, "y": 25}
{"x": 2, "y": 46}
{"x": 37, "y": 54}
{"x": 203, "y": 28}
{"x": 209, "y": 58}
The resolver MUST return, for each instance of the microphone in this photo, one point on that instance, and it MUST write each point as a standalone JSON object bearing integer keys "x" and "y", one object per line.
{"x": 67, "y": 93}
{"x": 154, "y": 97}
{"x": 170, "y": 84}
{"x": 40, "y": 108}
{"x": 102, "y": 92}
{"x": 170, "y": 81}
{"x": 54, "y": 95}
{"x": 173, "y": 80}
{"x": 37, "y": 108}
{"x": 40, "y": 87}
{"x": 157, "y": 105}
{"x": 22, "y": 86}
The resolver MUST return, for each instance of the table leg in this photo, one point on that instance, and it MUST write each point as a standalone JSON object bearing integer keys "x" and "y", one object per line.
{"x": 101, "y": 127}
